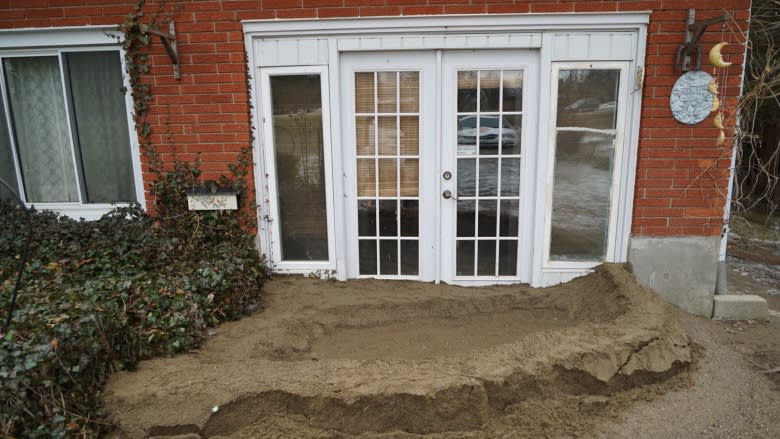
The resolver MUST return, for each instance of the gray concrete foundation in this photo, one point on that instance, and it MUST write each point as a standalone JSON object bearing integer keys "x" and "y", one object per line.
{"x": 740, "y": 307}
{"x": 683, "y": 270}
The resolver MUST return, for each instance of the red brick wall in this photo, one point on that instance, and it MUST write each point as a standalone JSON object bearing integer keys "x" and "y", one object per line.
{"x": 682, "y": 176}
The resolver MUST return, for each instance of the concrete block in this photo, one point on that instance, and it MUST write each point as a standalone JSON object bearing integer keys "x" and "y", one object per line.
{"x": 683, "y": 270}
{"x": 740, "y": 307}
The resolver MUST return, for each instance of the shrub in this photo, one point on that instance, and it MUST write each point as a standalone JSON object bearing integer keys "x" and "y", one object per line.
{"x": 100, "y": 296}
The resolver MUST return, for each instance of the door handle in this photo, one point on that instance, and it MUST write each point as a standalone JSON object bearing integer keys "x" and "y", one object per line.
{"x": 448, "y": 195}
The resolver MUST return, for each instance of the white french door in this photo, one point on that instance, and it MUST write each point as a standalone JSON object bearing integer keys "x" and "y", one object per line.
{"x": 438, "y": 183}
{"x": 487, "y": 178}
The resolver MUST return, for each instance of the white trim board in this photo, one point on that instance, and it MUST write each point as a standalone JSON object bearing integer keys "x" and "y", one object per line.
{"x": 448, "y": 24}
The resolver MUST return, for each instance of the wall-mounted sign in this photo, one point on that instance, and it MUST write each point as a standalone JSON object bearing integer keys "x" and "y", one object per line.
{"x": 691, "y": 102}
{"x": 204, "y": 200}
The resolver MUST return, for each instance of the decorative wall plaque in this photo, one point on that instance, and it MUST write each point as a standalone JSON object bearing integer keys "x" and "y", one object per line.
{"x": 691, "y": 102}
{"x": 204, "y": 200}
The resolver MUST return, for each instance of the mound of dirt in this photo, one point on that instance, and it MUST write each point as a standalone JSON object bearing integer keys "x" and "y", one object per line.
{"x": 371, "y": 358}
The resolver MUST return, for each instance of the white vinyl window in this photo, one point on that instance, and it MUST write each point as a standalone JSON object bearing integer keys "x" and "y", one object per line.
{"x": 66, "y": 140}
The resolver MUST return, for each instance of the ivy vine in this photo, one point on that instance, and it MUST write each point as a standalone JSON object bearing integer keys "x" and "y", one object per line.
{"x": 170, "y": 180}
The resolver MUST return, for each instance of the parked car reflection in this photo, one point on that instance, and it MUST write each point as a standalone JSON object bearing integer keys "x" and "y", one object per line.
{"x": 490, "y": 130}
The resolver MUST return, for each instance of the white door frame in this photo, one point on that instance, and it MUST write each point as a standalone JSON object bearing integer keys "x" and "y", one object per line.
{"x": 569, "y": 37}
{"x": 272, "y": 245}
{"x": 486, "y": 59}
{"x": 424, "y": 62}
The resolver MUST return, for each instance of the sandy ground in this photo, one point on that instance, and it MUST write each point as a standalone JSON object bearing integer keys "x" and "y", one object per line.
{"x": 597, "y": 357}
{"x": 377, "y": 359}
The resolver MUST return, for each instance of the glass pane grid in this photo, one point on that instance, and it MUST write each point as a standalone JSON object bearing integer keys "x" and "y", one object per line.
{"x": 388, "y": 198}
{"x": 488, "y": 156}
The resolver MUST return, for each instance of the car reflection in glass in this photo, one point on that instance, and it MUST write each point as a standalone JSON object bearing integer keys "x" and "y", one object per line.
{"x": 491, "y": 130}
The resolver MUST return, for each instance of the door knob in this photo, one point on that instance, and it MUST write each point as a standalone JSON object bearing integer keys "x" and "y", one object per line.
{"x": 448, "y": 195}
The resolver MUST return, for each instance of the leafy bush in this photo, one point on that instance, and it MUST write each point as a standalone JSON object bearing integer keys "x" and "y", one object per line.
{"x": 100, "y": 296}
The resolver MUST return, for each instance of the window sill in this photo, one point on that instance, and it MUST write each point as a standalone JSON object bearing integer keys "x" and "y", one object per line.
{"x": 88, "y": 212}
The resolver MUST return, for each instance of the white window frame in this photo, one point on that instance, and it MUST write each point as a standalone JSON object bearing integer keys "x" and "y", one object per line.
{"x": 53, "y": 42}
{"x": 272, "y": 245}
{"x": 620, "y": 163}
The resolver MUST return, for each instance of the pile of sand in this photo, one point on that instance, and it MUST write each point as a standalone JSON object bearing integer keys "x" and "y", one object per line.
{"x": 402, "y": 359}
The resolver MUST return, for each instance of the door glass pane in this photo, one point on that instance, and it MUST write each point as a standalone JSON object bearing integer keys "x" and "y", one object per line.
{"x": 489, "y": 88}
{"x": 7, "y": 171}
{"x": 364, "y": 135}
{"x": 510, "y": 177}
{"x": 511, "y": 134}
{"x": 487, "y": 218}
{"x": 488, "y": 177}
{"x": 512, "y": 91}
{"x": 410, "y": 135}
{"x": 467, "y": 177}
{"x": 466, "y": 224}
{"x": 508, "y": 221}
{"x": 41, "y": 126}
{"x": 387, "y": 87}
{"x": 367, "y": 256}
{"x": 581, "y": 196}
{"x": 486, "y": 258}
{"x": 409, "y": 84}
{"x": 410, "y": 176}
{"x": 364, "y": 92}
{"x": 300, "y": 171}
{"x": 102, "y": 133}
{"x": 507, "y": 258}
{"x": 410, "y": 249}
{"x": 583, "y": 169}
{"x": 366, "y": 176}
{"x": 588, "y": 98}
{"x": 388, "y": 177}
{"x": 388, "y": 172}
{"x": 367, "y": 218}
{"x": 388, "y": 218}
{"x": 388, "y": 252}
{"x": 388, "y": 138}
{"x": 467, "y": 91}
{"x": 464, "y": 258}
{"x": 410, "y": 217}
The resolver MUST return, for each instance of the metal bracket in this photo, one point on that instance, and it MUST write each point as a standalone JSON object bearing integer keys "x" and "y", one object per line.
{"x": 169, "y": 41}
{"x": 693, "y": 34}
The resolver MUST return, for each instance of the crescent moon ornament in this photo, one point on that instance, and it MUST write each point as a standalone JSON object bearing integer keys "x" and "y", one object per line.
{"x": 721, "y": 138}
{"x": 712, "y": 87}
{"x": 715, "y": 103}
{"x": 716, "y": 58}
{"x": 718, "y": 121}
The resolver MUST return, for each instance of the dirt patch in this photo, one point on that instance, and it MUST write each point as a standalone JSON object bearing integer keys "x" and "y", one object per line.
{"x": 407, "y": 359}
{"x": 427, "y": 338}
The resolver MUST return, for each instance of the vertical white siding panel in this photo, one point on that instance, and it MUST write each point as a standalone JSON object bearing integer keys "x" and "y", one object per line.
{"x": 601, "y": 46}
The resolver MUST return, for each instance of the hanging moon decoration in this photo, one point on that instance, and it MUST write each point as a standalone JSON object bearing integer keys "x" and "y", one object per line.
{"x": 721, "y": 138}
{"x": 712, "y": 87}
{"x": 716, "y": 58}
{"x": 718, "y": 121}
{"x": 715, "y": 103}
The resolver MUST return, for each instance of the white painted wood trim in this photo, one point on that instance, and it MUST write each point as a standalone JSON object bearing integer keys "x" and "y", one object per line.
{"x": 268, "y": 154}
{"x": 27, "y": 38}
{"x": 447, "y": 24}
{"x": 620, "y": 166}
